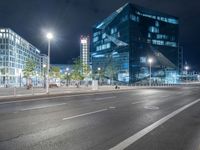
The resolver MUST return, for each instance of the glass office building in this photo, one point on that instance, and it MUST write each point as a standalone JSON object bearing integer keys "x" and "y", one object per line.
{"x": 14, "y": 52}
{"x": 123, "y": 42}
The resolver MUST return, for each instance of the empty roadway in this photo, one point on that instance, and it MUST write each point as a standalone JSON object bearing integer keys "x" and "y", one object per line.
{"x": 105, "y": 120}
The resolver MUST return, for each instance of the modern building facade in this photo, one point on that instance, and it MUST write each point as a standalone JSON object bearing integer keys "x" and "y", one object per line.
{"x": 123, "y": 42}
{"x": 14, "y": 52}
{"x": 85, "y": 50}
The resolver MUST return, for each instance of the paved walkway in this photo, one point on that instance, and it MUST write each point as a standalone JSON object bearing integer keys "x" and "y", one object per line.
{"x": 18, "y": 92}
{"x": 23, "y": 92}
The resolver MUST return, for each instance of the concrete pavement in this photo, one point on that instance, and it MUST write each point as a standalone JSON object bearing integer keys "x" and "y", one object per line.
{"x": 103, "y": 121}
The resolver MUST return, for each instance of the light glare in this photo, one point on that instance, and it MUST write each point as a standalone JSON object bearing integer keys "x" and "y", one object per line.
{"x": 49, "y": 36}
{"x": 150, "y": 60}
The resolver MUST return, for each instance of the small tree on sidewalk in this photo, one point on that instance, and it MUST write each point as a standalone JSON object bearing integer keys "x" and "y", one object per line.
{"x": 77, "y": 71}
{"x": 28, "y": 71}
{"x": 111, "y": 72}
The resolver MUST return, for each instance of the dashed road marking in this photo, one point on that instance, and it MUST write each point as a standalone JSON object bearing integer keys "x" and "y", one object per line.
{"x": 42, "y": 107}
{"x": 104, "y": 98}
{"x": 85, "y": 114}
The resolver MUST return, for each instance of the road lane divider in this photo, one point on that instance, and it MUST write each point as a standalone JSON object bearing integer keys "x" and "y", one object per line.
{"x": 132, "y": 139}
{"x": 42, "y": 107}
{"x": 112, "y": 107}
{"x": 104, "y": 98}
{"x": 85, "y": 114}
{"x": 139, "y": 102}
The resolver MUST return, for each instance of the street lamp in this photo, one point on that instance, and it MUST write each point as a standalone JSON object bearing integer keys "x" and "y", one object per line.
{"x": 187, "y": 68}
{"x": 44, "y": 66}
{"x": 67, "y": 76}
{"x": 150, "y": 61}
{"x": 49, "y": 37}
{"x": 99, "y": 69}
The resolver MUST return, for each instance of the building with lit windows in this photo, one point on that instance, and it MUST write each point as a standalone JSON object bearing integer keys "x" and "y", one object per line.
{"x": 85, "y": 50}
{"x": 123, "y": 42}
{"x": 14, "y": 52}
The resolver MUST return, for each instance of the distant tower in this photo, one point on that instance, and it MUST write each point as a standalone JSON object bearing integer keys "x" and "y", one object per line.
{"x": 85, "y": 50}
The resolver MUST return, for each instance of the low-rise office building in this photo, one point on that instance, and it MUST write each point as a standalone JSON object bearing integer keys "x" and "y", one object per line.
{"x": 14, "y": 52}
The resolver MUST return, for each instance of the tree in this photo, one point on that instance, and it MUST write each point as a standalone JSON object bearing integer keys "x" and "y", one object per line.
{"x": 111, "y": 72}
{"x": 86, "y": 71}
{"x": 28, "y": 71}
{"x": 77, "y": 69}
{"x": 55, "y": 72}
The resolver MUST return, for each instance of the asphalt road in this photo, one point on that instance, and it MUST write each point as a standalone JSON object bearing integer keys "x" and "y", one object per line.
{"x": 143, "y": 119}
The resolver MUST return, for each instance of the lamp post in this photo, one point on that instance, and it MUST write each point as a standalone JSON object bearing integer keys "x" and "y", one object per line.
{"x": 44, "y": 73}
{"x": 99, "y": 69}
{"x": 187, "y": 68}
{"x": 49, "y": 37}
{"x": 67, "y": 76}
{"x": 150, "y": 61}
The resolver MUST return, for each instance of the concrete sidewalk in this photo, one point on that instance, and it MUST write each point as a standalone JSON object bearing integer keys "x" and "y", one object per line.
{"x": 20, "y": 93}
{"x": 34, "y": 92}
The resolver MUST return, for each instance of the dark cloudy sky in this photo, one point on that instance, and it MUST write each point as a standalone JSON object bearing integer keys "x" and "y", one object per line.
{"x": 68, "y": 19}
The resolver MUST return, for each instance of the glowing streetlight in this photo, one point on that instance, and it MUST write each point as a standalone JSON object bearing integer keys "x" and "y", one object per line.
{"x": 99, "y": 69}
{"x": 150, "y": 61}
{"x": 187, "y": 68}
{"x": 49, "y": 37}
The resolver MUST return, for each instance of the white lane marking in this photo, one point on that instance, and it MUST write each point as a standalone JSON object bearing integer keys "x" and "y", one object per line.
{"x": 41, "y": 107}
{"x": 103, "y": 98}
{"x": 66, "y": 96}
{"x": 151, "y": 107}
{"x": 85, "y": 114}
{"x": 112, "y": 107}
{"x": 127, "y": 142}
{"x": 138, "y": 102}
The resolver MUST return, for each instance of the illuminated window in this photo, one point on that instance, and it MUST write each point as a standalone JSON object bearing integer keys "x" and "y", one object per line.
{"x": 157, "y": 42}
{"x": 103, "y": 36}
{"x": 134, "y": 18}
{"x": 143, "y": 60}
{"x": 95, "y": 39}
{"x": 2, "y": 30}
{"x": 103, "y": 47}
{"x": 173, "y": 21}
{"x": 172, "y": 44}
{"x": 157, "y": 24}
{"x": 153, "y": 29}
{"x": 96, "y": 33}
{"x": 149, "y": 35}
{"x": 125, "y": 18}
{"x": 161, "y": 36}
{"x": 113, "y": 30}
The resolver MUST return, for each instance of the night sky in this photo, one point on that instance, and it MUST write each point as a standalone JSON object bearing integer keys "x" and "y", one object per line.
{"x": 69, "y": 19}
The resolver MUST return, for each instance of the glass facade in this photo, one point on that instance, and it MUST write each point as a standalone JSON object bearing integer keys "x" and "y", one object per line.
{"x": 129, "y": 36}
{"x": 14, "y": 52}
